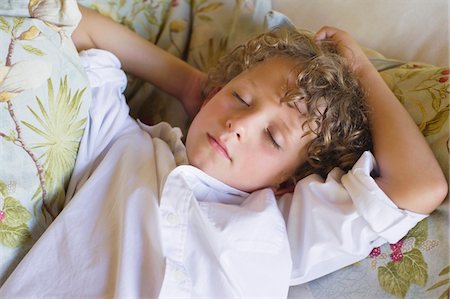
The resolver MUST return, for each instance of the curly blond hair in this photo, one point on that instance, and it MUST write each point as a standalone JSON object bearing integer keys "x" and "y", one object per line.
{"x": 335, "y": 107}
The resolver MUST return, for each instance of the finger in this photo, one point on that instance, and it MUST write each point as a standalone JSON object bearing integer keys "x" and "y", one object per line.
{"x": 325, "y": 32}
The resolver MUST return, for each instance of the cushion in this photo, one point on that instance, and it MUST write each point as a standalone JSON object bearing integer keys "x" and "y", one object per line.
{"x": 423, "y": 89}
{"x": 44, "y": 99}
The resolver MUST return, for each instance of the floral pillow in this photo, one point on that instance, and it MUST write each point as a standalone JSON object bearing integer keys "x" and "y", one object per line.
{"x": 44, "y": 100}
{"x": 423, "y": 90}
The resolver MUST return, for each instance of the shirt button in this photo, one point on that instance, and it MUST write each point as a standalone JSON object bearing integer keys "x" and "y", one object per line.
{"x": 172, "y": 219}
{"x": 179, "y": 276}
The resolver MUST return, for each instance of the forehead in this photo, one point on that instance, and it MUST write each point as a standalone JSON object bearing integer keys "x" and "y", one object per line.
{"x": 276, "y": 74}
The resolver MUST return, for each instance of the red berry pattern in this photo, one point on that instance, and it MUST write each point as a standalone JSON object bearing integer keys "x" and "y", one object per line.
{"x": 396, "y": 256}
{"x": 375, "y": 252}
{"x": 444, "y": 78}
{"x": 2, "y": 215}
{"x": 397, "y": 246}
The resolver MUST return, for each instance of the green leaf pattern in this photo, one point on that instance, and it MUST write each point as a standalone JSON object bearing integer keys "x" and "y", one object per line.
{"x": 61, "y": 129}
{"x": 391, "y": 281}
{"x": 33, "y": 50}
{"x": 419, "y": 233}
{"x": 413, "y": 267}
{"x": 396, "y": 277}
{"x": 4, "y": 24}
{"x": 14, "y": 230}
{"x": 443, "y": 282}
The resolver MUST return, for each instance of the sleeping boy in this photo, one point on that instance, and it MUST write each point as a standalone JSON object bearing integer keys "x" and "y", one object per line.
{"x": 150, "y": 217}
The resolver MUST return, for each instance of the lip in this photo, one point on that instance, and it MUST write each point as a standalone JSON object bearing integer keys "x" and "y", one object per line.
{"x": 218, "y": 146}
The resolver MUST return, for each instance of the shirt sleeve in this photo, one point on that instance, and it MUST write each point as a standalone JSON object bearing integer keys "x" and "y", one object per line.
{"x": 108, "y": 117}
{"x": 335, "y": 222}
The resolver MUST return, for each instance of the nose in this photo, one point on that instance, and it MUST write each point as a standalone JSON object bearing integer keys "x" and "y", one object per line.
{"x": 240, "y": 125}
{"x": 233, "y": 127}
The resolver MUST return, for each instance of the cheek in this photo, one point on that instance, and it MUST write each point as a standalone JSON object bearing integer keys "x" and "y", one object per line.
{"x": 265, "y": 169}
{"x": 284, "y": 165}
{"x": 208, "y": 113}
{"x": 200, "y": 122}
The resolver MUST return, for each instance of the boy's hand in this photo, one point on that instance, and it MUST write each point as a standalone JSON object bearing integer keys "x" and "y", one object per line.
{"x": 346, "y": 46}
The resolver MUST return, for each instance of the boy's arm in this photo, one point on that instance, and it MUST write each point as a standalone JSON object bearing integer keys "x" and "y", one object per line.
{"x": 141, "y": 58}
{"x": 408, "y": 171}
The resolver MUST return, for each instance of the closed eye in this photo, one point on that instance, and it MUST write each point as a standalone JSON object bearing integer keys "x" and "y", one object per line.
{"x": 272, "y": 140}
{"x": 238, "y": 97}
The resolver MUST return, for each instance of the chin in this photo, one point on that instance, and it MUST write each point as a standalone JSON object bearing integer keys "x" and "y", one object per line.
{"x": 240, "y": 187}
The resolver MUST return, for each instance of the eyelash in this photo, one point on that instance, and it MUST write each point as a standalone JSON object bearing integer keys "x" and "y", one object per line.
{"x": 271, "y": 139}
{"x": 238, "y": 97}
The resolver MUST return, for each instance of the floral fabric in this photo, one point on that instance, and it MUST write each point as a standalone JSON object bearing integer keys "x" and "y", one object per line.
{"x": 44, "y": 99}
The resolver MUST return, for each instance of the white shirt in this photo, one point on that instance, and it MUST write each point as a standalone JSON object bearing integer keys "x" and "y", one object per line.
{"x": 139, "y": 226}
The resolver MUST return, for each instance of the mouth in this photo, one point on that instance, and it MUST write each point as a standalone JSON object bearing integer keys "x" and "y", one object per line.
{"x": 219, "y": 147}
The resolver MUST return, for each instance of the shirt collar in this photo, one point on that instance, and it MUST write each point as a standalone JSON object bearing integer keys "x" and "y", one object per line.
{"x": 208, "y": 188}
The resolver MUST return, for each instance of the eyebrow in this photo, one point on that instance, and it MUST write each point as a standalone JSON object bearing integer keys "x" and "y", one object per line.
{"x": 251, "y": 82}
